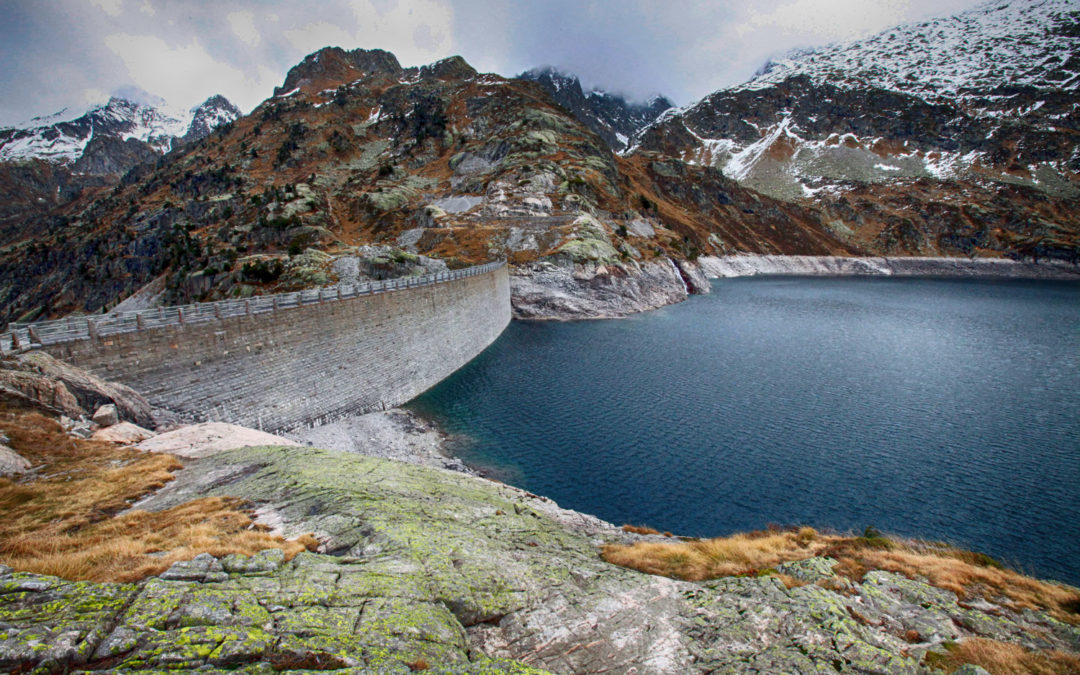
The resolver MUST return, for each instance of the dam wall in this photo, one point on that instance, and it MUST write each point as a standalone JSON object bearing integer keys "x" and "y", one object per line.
{"x": 280, "y": 362}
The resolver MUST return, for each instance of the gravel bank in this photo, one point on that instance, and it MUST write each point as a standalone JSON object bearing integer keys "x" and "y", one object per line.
{"x": 392, "y": 434}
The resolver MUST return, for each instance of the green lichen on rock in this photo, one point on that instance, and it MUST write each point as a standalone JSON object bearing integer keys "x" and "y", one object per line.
{"x": 589, "y": 242}
{"x": 425, "y": 566}
{"x": 389, "y": 199}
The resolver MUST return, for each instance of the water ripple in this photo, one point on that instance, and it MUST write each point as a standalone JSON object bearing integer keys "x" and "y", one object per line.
{"x": 943, "y": 409}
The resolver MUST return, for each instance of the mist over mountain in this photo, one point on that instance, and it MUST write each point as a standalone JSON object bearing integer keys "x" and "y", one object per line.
{"x": 610, "y": 116}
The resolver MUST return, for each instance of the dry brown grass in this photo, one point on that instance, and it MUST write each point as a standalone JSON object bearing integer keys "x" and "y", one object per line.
{"x": 965, "y": 573}
{"x": 1002, "y": 658}
{"x": 63, "y": 520}
{"x": 948, "y": 569}
{"x": 740, "y": 554}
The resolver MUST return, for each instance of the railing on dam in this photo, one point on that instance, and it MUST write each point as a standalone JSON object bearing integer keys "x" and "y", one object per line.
{"x": 26, "y": 335}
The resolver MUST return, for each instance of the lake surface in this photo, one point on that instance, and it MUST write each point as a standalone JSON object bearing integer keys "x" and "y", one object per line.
{"x": 934, "y": 408}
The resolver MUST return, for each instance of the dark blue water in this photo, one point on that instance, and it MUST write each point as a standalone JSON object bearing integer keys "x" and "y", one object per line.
{"x": 939, "y": 409}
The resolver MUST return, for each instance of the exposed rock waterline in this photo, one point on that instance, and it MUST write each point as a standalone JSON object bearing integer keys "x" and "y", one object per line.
{"x": 807, "y": 265}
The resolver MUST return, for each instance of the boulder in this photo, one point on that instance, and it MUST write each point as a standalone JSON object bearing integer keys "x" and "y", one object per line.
{"x": 11, "y": 462}
{"x": 89, "y": 391}
{"x": 123, "y": 432}
{"x": 210, "y": 438}
{"x": 106, "y": 415}
{"x": 38, "y": 392}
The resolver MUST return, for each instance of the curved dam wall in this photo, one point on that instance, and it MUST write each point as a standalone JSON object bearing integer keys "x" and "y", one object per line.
{"x": 310, "y": 363}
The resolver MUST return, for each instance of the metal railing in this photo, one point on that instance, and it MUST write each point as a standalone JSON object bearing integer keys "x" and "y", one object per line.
{"x": 28, "y": 335}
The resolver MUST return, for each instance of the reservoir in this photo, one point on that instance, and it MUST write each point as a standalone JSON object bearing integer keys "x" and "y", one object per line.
{"x": 941, "y": 409}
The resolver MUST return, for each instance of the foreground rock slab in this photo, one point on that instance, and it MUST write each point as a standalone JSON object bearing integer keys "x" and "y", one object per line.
{"x": 429, "y": 567}
{"x": 208, "y": 438}
{"x": 123, "y": 432}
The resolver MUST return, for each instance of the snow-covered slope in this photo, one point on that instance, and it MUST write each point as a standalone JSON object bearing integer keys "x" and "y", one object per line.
{"x": 961, "y": 58}
{"x": 990, "y": 93}
{"x": 63, "y": 137}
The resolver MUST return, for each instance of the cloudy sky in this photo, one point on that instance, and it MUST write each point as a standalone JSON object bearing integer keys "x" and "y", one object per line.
{"x": 58, "y": 53}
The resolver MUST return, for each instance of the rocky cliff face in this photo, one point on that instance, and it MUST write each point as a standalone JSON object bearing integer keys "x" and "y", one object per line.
{"x": 609, "y": 116}
{"x": 986, "y": 93}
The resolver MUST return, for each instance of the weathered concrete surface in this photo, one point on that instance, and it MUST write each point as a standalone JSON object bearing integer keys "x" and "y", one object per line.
{"x": 313, "y": 363}
{"x": 591, "y": 290}
{"x": 456, "y": 570}
{"x": 808, "y": 265}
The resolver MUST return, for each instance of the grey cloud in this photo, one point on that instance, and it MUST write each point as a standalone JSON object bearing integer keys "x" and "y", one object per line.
{"x": 54, "y": 51}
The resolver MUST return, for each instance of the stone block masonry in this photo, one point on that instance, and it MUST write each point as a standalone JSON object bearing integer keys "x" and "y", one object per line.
{"x": 307, "y": 364}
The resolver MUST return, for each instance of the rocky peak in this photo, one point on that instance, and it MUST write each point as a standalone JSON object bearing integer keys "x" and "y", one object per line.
{"x": 210, "y": 114}
{"x": 333, "y": 66}
{"x": 111, "y": 132}
{"x": 610, "y": 116}
{"x": 452, "y": 68}
{"x": 562, "y": 86}
{"x": 955, "y": 58}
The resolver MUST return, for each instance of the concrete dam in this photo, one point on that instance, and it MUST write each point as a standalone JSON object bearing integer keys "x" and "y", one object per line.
{"x": 282, "y": 361}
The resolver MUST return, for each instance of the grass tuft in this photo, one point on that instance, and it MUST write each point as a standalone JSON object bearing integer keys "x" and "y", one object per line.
{"x": 1003, "y": 658}
{"x": 738, "y": 555}
{"x": 965, "y": 573}
{"x": 69, "y": 517}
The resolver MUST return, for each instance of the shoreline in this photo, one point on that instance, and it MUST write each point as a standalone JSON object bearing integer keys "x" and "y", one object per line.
{"x": 397, "y": 433}
{"x": 749, "y": 264}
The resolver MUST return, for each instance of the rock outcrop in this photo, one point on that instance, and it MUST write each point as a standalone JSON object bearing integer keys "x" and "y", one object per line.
{"x": 546, "y": 290}
{"x": 460, "y": 574}
{"x": 11, "y": 462}
{"x": 38, "y": 379}
{"x": 808, "y": 265}
{"x": 609, "y": 116}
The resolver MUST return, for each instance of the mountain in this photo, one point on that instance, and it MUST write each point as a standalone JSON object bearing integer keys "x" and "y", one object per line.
{"x": 983, "y": 102}
{"x": 990, "y": 92}
{"x": 117, "y": 134}
{"x": 440, "y": 161}
{"x": 609, "y": 116}
{"x": 358, "y": 157}
{"x": 209, "y": 115}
